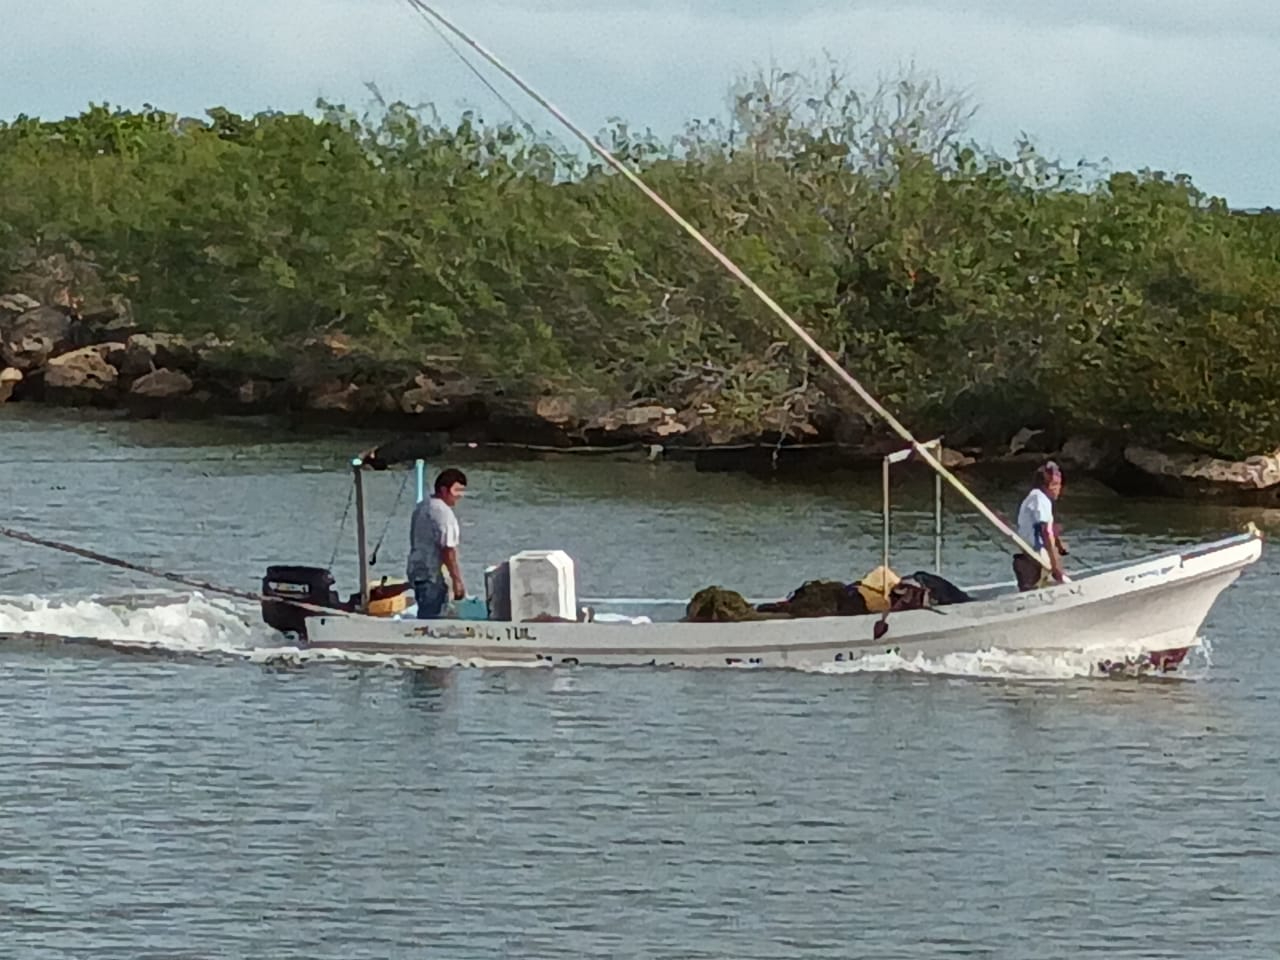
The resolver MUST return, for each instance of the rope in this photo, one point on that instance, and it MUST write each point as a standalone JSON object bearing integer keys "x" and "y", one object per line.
{"x": 560, "y": 155}
{"x": 800, "y": 332}
{"x": 216, "y": 458}
{"x": 24, "y": 537}
{"x": 337, "y": 540}
{"x": 373, "y": 556}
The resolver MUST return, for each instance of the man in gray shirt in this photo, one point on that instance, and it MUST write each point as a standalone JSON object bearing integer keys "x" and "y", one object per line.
{"x": 433, "y": 546}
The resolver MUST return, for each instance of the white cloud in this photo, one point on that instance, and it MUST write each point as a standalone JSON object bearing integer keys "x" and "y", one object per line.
{"x": 1176, "y": 85}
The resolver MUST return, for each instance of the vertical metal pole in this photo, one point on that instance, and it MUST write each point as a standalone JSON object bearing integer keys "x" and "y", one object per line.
{"x": 937, "y": 525}
{"x": 362, "y": 545}
{"x": 884, "y": 557}
{"x": 421, "y": 467}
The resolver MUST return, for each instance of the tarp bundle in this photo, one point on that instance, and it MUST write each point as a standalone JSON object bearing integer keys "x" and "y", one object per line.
{"x": 822, "y": 598}
{"x": 814, "y": 598}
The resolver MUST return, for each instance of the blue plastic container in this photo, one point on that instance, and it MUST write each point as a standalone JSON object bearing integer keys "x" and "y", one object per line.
{"x": 470, "y": 608}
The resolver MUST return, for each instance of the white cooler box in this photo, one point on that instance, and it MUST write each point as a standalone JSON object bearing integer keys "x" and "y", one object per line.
{"x": 542, "y": 584}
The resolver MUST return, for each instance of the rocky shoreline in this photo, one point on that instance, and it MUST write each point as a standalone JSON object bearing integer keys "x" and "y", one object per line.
{"x": 59, "y": 355}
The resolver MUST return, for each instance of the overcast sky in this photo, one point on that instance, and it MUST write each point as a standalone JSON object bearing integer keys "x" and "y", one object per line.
{"x": 1178, "y": 85}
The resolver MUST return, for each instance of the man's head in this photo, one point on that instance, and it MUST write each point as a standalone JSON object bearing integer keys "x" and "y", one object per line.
{"x": 1049, "y": 479}
{"x": 450, "y": 485}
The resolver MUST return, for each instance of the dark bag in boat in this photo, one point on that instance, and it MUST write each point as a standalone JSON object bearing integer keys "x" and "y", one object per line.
{"x": 923, "y": 589}
{"x": 942, "y": 591}
{"x": 819, "y": 598}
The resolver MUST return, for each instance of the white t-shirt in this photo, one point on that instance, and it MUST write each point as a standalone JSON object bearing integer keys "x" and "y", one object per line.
{"x": 1036, "y": 508}
{"x": 433, "y": 528}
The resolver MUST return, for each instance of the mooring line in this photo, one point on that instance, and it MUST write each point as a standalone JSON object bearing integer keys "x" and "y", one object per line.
{"x": 24, "y": 537}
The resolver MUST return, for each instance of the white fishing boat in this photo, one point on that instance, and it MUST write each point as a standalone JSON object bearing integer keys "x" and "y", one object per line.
{"x": 1146, "y": 613}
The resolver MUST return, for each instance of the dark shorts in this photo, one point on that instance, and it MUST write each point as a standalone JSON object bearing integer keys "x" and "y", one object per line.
{"x": 1026, "y": 571}
{"x": 431, "y": 597}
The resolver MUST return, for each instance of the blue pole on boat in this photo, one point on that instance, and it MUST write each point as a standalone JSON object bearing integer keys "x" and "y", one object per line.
{"x": 421, "y": 467}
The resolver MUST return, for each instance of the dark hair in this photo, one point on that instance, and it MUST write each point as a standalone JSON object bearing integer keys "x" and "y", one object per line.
{"x": 448, "y": 478}
{"x": 1046, "y": 472}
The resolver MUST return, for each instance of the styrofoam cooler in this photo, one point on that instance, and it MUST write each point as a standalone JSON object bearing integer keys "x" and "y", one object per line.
{"x": 542, "y": 584}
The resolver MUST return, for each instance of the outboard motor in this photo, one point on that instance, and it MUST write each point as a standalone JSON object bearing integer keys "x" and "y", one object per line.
{"x": 312, "y": 585}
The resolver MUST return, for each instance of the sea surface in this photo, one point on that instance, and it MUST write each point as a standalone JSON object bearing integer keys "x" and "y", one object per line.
{"x": 176, "y": 783}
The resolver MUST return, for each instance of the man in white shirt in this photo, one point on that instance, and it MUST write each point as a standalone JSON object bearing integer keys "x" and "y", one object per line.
{"x": 1036, "y": 527}
{"x": 433, "y": 546}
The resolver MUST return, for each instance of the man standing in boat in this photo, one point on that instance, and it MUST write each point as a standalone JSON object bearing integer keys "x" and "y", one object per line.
{"x": 1036, "y": 527}
{"x": 433, "y": 546}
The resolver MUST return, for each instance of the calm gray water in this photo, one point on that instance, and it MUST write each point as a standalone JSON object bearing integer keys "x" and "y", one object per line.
{"x": 198, "y": 797}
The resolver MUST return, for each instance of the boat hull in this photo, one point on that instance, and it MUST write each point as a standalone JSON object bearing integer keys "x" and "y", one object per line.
{"x": 1147, "y": 613}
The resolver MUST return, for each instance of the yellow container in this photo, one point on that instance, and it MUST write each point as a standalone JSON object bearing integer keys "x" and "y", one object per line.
{"x": 875, "y": 587}
{"x": 388, "y": 599}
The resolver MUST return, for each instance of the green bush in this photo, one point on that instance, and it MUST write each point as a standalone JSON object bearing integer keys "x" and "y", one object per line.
{"x": 957, "y": 284}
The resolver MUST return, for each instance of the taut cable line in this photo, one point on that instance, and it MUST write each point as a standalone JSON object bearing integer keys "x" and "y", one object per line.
{"x": 799, "y": 331}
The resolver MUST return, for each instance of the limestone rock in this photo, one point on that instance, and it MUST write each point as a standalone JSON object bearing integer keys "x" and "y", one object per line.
{"x": 10, "y": 377}
{"x": 1196, "y": 475}
{"x": 559, "y": 410}
{"x": 169, "y": 349}
{"x": 424, "y": 394}
{"x": 30, "y": 339}
{"x": 1022, "y": 439}
{"x": 1087, "y": 455}
{"x": 340, "y": 397}
{"x": 136, "y": 358}
{"x": 83, "y": 369}
{"x": 162, "y": 384}
{"x": 112, "y": 348}
{"x": 16, "y": 304}
{"x": 644, "y": 421}
{"x": 437, "y": 391}
{"x": 954, "y": 459}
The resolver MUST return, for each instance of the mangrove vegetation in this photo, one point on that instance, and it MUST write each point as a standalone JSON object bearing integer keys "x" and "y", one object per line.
{"x": 970, "y": 289}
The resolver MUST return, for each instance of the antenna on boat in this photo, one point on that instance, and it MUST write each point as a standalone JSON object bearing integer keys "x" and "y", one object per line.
{"x": 800, "y": 332}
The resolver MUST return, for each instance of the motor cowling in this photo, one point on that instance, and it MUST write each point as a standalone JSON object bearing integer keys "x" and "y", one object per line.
{"x": 284, "y": 582}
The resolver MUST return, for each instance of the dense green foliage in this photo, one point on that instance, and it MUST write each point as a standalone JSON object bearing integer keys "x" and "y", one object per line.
{"x": 960, "y": 285}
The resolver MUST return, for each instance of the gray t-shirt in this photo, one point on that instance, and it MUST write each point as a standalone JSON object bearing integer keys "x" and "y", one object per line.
{"x": 434, "y": 527}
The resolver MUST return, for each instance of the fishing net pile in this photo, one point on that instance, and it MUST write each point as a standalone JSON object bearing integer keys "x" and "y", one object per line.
{"x": 880, "y": 592}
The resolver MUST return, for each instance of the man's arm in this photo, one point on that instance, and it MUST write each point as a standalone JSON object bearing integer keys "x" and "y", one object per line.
{"x": 450, "y": 557}
{"x": 1051, "y": 548}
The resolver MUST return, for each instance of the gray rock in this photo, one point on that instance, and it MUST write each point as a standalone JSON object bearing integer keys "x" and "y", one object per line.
{"x": 30, "y": 339}
{"x": 136, "y": 358}
{"x": 169, "y": 350}
{"x": 1022, "y": 438}
{"x": 162, "y": 384}
{"x": 1197, "y": 475}
{"x": 1084, "y": 454}
{"x": 339, "y": 397}
{"x": 16, "y": 304}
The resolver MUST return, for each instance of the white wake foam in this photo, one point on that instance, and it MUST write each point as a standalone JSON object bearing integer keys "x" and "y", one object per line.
{"x": 1001, "y": 664}
{"x": 186, "y": 623}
